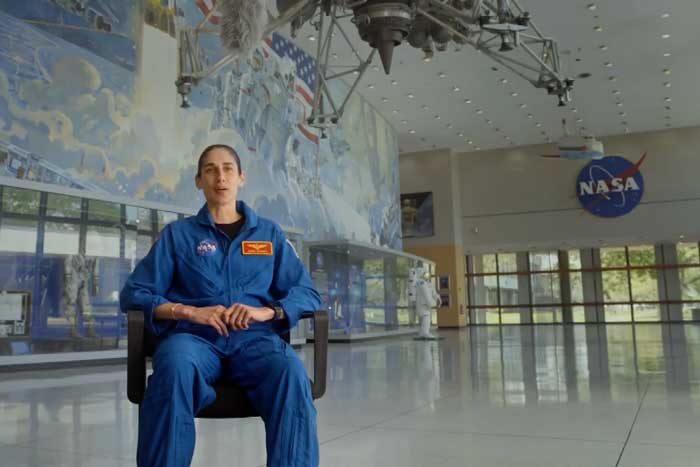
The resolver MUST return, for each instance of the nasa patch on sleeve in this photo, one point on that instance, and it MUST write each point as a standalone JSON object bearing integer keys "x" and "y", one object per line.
{"x": 610, "y": 187}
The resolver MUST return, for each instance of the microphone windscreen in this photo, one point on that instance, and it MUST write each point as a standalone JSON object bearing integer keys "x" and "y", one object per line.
{"x": 242, "y": 24}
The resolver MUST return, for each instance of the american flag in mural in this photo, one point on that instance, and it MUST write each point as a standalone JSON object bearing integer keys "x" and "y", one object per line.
{"x": 306, "y": 74}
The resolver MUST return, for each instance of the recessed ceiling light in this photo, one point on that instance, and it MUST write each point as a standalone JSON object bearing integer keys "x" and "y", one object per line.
{"x": 665, "y": 15}
{"x": 437, "y": 117}
{"x": 355, "y": 72}
{"x": 394, "y": 82}
{"x": 612, "y": 79}
{"x": 456, "y": 88}
{"x": 334, "y": 55}
{"x": 497, "y": 130}
{"x": 522, "y": 106}
{"x": 592, "y": 6}
{"x": 608, "y": 64}
{"x": 667, "y": 84}
{"x": 623, "y": 123}
{"x": 616, "y": 92}
{"x": 579, "y": 120}
{"x": 668, "y": 107}
{"x": 442, "y": 74}
{"x": 622, "y": 114}
{"x": 385, "y": 100}
{"x": 667, "y": 71}
{"x": 538, "y": 125}
{"x": 514, "y": 94}
{"x": 530, "y": 116}
{"x": 375, "y": 68}
{"x": 395, "y": 111}
{"x": 470, "y": 142}
{"x": 449, "y": 126}
{"x": 667, "y": 117}
{"x": 479, "y": 111}
{"x": 665, "y": 36}
{"x": 404, "y": 121}
{"x": 504, "y": 81}
{"x": 489, "y": 121}
{"x": 574, "y": 110}
{"x": 620, "y": 104}
{"x": 477, "y": 148}
{"x": 460, "y": 134}
{"x": 467, "y": 101}
{"x": 667, "y": 99}
{"x": 667, "y": 54}
{"x": 412, "y": 131}
{"x": 370, "y": 86}
{"x": 410, "y": 95}
{"x": 425, "y": 107}
{"x": 598, "y": 28}
{"x": 603, "y": 47}
{"x": 507, "y": 137}
{"x": 311, "y": 37}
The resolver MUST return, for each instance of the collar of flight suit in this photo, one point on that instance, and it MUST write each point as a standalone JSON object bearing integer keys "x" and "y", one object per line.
{"x": 251, "y": 219}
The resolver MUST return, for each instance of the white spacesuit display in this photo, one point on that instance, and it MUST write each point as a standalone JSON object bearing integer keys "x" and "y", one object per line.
{"x": 76, "y": 272}
{"x": 426, "y": 299}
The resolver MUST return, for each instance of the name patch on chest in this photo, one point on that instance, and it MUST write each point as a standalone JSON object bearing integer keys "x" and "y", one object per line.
{"x": 257, "y": 248}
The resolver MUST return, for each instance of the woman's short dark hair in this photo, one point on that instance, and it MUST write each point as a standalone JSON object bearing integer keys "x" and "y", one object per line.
{"x": 226, "y": 148}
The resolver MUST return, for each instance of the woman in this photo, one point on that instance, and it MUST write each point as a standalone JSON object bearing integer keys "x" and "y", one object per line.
{"x": 216, "y": 289}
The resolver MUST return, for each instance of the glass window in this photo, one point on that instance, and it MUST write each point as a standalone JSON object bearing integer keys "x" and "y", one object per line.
{"x": 688, "y": 253}
{"x": 690, "y": 283}
{"x": 63, "y": 206}
{"x": 102, "y": 241}
{"x": 104, "y": 211}
{"x": 19, "y": 201}
{"x": 139, "y": 217}
{"x": 18, "y": 235}
{"x": 544, "y": 261}
{"x": 578, "y": 314}
{"x": 574, "y": 259}
{"x": 691, "y": 312}
{"x": 576, "y": 282}
{"x": 644, "y": 285}
{"x": 545, "y": 288}
{"x": 61, "y": 239}
{"x": 508, "y": 287}
{"x": 165, "y": 218}
{"x": 641, "y": 255}
{"x": 507, "y": 263}
{"x": 485, "y": 264}
{"x": 542, "y": 315}
{"x": 485, "y": 290}
{"x": 615, "y": 286}
{"x": 618, "y": 313}
{"x": 613, "y": 257}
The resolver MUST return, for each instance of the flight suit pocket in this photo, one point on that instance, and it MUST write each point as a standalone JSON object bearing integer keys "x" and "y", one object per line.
{"x": 195, "y": 279}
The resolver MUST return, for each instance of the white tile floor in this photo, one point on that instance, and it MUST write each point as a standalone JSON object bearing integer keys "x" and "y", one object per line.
{"x": 513, "y": 396}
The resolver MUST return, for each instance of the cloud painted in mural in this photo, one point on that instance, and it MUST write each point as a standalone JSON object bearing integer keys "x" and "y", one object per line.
{"x": 98, "y": 122}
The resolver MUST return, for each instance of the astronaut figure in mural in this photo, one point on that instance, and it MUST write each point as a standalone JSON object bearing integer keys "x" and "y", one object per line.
{"x": 76, "y": 276}
{"x": 426, "y": 299}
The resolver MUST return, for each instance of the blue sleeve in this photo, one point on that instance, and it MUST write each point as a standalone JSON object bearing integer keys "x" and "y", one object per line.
{"x": 146, "y": 286}
{"x": 292, "y": 288}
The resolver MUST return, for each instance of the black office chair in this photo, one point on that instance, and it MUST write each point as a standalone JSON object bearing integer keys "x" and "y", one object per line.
{"x": 231, "y": 400}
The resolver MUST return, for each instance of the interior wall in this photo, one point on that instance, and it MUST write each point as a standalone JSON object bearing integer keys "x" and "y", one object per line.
{"x": 513, "y": 199}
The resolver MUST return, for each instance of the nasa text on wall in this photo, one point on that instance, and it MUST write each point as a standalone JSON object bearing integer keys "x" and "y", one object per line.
{"x": 610, "y": 187}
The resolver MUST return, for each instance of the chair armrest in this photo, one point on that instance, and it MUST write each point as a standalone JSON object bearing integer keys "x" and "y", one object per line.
{"x": 320, "y": 319}
{"x": 135, "y": 358}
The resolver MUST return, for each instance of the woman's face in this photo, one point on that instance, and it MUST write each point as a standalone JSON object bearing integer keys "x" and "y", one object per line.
{"x": 219, "y": 178}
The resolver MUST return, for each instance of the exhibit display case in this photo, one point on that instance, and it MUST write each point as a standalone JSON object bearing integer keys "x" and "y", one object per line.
{"x": 366, "y": 289}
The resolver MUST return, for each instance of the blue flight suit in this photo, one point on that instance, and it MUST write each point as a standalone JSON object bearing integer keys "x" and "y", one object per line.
{"x": 196, "y": 264}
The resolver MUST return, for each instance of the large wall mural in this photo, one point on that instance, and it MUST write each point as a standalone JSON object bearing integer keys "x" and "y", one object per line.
{"x": 87, "y": 100}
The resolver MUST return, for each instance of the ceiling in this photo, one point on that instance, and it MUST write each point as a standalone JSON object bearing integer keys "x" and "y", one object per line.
{"x": 461, "y": 102}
